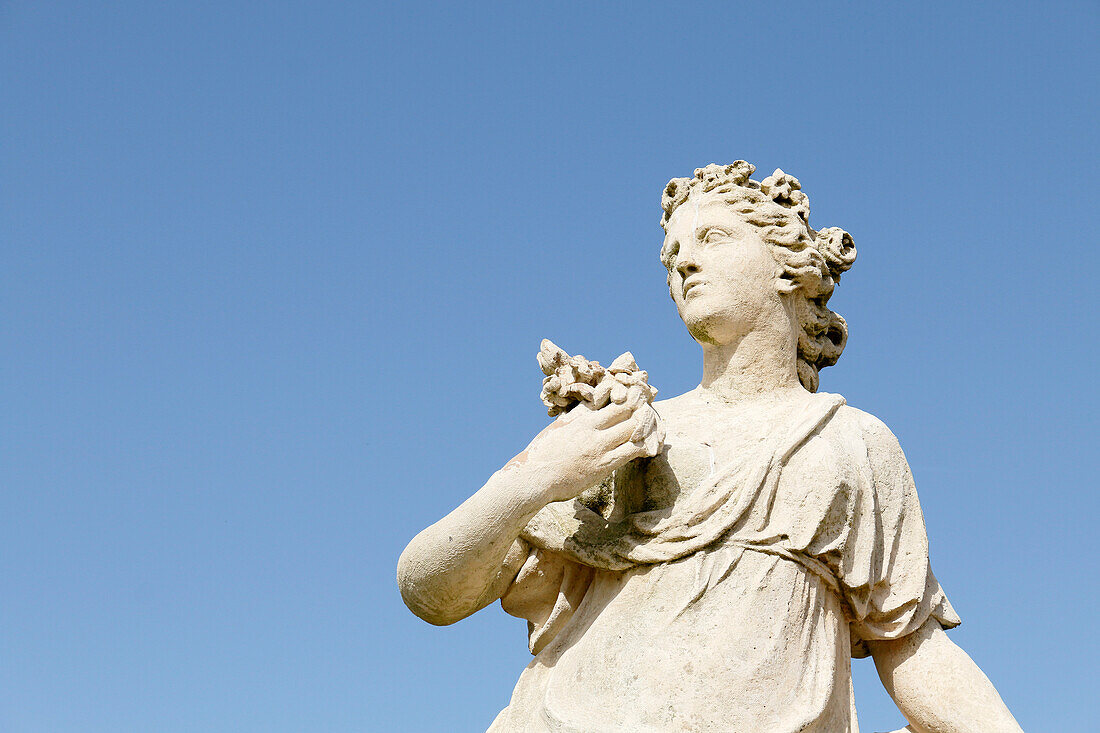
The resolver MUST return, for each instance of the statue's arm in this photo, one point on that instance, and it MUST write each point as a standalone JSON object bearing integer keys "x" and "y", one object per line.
{"x": 466, "y": 560}
{"x": 461, "y": 564}
{"x": 937, "y": 686}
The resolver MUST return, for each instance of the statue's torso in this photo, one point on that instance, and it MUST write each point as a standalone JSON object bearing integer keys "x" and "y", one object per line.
{"x": 683, "y": 645}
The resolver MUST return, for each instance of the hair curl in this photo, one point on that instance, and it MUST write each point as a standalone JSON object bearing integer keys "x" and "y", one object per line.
{"x": 813, "y": 260}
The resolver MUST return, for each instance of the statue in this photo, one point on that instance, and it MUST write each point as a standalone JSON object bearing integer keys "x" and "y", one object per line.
{"x": 712, "y": 561}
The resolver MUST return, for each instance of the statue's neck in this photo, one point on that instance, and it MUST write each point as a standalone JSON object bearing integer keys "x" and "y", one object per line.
{"x": 762, "y": 363}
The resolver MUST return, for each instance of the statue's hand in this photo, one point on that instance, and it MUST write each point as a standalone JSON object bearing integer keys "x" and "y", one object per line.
{"x": 584, "y": 445}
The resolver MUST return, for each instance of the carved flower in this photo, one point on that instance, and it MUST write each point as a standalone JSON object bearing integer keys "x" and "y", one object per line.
{"x": 739, "y": 171}
{"x": 800, "y": 203}
{"x": 714, "y": 175}
{"x": 838, "y": 249}
{"x": 711, "y": 175}
{"x": 676, "y": 193}
{"x": 710, "y": 178}
{"x": 784, "y": 190}
{"x": 780, "y": 187}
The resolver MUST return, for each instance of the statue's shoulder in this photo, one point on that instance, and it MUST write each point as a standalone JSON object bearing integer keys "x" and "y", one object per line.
{"x": 679, "y": 403}
{"x": 680, "y": 411}
{"x": 860, "y": 428}
{"x": 872, "y": 427}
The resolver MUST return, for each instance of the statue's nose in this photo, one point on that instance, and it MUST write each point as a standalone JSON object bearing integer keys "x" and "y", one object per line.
{"x": 686, "y": 265}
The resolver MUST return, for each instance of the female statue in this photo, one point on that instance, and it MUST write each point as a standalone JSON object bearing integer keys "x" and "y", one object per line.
{"x": 735, "y": 570}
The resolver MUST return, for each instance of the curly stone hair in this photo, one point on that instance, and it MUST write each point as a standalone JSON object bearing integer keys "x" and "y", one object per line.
{"x": 813, "y": 260}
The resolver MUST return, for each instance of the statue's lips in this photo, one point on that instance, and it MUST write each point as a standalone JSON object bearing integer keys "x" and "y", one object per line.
{"x": 692, "y": 284}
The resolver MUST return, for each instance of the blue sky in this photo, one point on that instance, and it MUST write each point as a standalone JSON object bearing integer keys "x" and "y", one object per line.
{"x": 274, "y": 276}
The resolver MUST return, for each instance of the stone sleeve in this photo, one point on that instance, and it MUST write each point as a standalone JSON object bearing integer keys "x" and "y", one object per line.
{"x": 546, "y": 592}
{"x": 885, "y": 575}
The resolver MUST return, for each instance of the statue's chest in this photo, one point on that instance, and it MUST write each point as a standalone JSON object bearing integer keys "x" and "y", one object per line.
{"x": 695, "y": 448}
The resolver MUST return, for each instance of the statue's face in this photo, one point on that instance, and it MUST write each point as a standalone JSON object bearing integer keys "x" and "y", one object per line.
{"x": 724, "y": 278}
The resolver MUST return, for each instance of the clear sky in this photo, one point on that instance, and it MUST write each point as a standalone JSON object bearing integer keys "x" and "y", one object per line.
{"x": 275, "y": 274}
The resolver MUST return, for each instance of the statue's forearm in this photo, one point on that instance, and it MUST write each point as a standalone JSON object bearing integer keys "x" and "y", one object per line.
{"x": 458, "y": 565}
{"x": 937, "y": 686}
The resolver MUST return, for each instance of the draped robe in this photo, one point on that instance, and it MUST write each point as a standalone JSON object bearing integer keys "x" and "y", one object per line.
{"x": 737, "y": 607}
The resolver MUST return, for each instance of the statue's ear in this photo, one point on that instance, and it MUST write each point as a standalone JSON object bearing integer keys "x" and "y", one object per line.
{"x": 785, "y": 283}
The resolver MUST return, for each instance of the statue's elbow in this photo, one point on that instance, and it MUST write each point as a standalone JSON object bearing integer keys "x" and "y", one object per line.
{"x": 418, "y": 590}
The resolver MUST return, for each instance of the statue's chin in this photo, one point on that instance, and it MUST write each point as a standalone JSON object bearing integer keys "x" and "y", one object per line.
{"x": 706, "y": 330}
{"x": 710, "y": 321}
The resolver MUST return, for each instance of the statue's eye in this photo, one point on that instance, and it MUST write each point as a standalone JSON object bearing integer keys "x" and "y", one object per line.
{"x": 714, "y": 235}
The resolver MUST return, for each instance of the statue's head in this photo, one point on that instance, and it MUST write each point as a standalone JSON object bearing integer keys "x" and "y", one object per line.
{"x": 741, "y": 253}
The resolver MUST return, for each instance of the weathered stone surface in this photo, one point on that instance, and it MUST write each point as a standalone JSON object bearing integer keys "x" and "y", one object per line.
{"x": 712, "y": 561}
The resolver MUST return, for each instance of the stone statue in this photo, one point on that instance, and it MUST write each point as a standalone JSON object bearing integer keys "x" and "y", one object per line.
{"x": 712, "y": 562}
